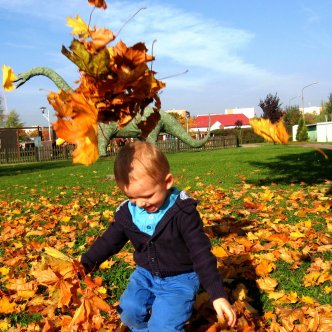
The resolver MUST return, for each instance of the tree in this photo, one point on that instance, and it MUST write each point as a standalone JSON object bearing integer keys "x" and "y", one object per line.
{"x": 302, "y": 132}
{"x": 326, "y": 113}
{"x": 291, "y": 117}
{"x": 13, "y": 120}
{"x": 271, "y": 108}
{"x": 311, "y": 118}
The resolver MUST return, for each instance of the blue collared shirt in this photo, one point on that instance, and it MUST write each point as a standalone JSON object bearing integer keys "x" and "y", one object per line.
{"x": 147, "y": 222}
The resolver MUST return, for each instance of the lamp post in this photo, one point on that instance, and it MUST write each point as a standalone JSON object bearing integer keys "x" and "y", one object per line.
{"x": 302, "y": 96}
{"x": 47, "y": 117}
{"x": 187, "y": 121}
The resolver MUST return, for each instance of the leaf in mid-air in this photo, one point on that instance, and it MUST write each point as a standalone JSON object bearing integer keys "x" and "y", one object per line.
{"x": 8, "y": 77}
{"x": 98, "y": 3}
{"x": 271, "y": 132}
{"x": 92, "y": 64}
{"x": 80, "y": 28}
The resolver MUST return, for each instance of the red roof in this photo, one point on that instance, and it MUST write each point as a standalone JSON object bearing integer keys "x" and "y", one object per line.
{"x": 226, "y": 120}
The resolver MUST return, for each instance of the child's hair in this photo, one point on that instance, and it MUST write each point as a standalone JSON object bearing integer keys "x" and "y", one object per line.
{"x": 137, "y": 156}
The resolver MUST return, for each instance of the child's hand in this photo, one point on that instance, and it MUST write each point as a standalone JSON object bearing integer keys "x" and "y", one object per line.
{"x": 222, "y": 308}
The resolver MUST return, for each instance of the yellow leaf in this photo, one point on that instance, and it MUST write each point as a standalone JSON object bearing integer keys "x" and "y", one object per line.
{"x": 65, "y": 218}
{"x": 307, "y": 300}
{"x": 308, "y": 223}
{"x": 311, "y": 278}
{"x": 60, "y": 141}
{"x": 4, "y": 270}
{"x": 5, "y": 306}
{"x": 107, "y": 214}
{"x": 80, "y": 28}
{"x": 107, "y": 264}
{"x": 102, "y": 290}
{"x": 267, "y": 284}
{"x": 328, "y": 289}
{"x": 251, "y": 236}
{"x": 296, "y": 235}
{"x": 292, "y": 297}
{"x": 8, "y": 78}
{"x": 57, "y": 254}
{"x": 325, "y": 248}
{"x": 329, "y": 227}
{"x": 219, "y": 252}
{"x": 276, "y": 295}
{"x": 4, "y": 325}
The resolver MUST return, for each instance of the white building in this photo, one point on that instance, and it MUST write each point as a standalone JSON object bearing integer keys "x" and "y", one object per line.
{"x": 319, "y": 132}
{"x": 249, "y": 112}
{"x": 311, "y": 110}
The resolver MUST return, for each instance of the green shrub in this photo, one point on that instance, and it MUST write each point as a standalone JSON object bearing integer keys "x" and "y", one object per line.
{"x": 247, "y": 135}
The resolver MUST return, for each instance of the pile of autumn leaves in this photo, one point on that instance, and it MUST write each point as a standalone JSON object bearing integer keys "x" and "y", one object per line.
{"x": 36, "y": 277}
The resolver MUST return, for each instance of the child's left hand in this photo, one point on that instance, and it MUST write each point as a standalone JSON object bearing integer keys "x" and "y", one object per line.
{"x": 223, "y": 308}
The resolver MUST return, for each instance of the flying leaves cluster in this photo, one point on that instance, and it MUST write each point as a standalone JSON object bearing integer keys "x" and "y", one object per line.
{"x": 115, "y": 84}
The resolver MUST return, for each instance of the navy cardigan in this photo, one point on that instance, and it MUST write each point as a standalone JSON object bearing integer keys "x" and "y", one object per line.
{"x": 178, "y": 245}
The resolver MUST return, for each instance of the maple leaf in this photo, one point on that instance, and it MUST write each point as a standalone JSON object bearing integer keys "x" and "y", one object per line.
{"x": 98, "y": 3}
{"x": 77, "y": 124}
{"x": 267, "y": 284}
{"x": 6, "y": 307}
{"x": 88, "y": 311}
{"x": 271, "y": 132}
{"x": 61, "y": 289}
{"x": 8, "y": 77}
{"x": 61, "y": 274}
{"x": 80, "y": 28}
{"x": 94, "y": 64}
{"x": 101, "y": 37}
{"x": 23, "y": 288}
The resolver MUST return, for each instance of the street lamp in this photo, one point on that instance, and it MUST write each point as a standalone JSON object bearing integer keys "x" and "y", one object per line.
{"x": 302, "y": 95}
{"x": 47, "y": 117}
{"x": 187, "y": 124}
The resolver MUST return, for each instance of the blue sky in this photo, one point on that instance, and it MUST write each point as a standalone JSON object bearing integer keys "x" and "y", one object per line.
{"x": 236, "y": 52}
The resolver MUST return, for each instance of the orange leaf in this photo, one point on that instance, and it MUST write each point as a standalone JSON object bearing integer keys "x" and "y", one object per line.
{"x": 267, "y": 284}
{"x": 101, "y": 37}
{"x": 98, "y": 3}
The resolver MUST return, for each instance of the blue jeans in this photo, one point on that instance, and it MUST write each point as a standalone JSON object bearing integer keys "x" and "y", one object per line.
{"x": 154, "y": 304}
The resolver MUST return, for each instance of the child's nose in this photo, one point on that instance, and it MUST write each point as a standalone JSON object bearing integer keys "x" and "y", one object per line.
{"x": 140, "y": 203}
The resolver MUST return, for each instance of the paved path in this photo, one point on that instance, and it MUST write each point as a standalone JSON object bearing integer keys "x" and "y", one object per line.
{"x": 314, "y": 145}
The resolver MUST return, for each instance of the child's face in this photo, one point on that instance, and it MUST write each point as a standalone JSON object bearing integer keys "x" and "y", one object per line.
{"x": 146, "y": 193}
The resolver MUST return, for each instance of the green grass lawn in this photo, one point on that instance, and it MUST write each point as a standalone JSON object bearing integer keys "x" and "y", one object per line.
{"x": 227, "y": 168}
{"x": 266, "y": 209}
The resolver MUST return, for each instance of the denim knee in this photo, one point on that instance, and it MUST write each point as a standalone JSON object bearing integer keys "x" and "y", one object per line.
{"x": 131, "y": 314}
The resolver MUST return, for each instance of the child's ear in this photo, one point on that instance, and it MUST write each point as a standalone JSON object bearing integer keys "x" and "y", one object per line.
{"x": 169, "y": 180}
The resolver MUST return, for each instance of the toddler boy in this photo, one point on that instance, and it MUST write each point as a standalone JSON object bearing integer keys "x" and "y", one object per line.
{"x": 172, "y": 253}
